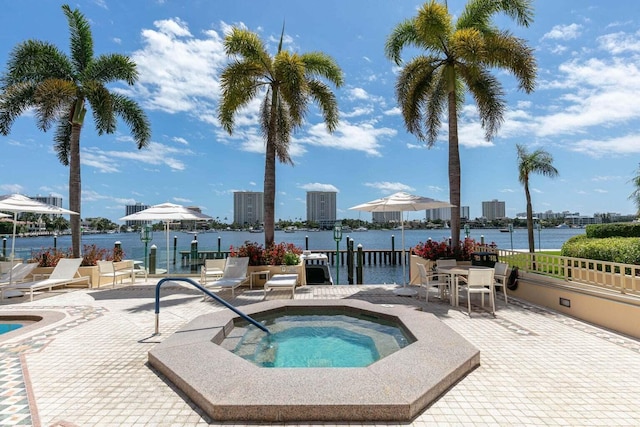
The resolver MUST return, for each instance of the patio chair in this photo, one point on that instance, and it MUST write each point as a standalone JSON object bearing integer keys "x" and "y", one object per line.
{"x": 479, "y": 281}
{"x": 501, "y": 277}
{"x": 234, "y": 274}
{"x": 65, "y": 273}
{"x": 212, "y": 268}
{"x": 115, "y": 271}
{"x": 445, "y": 278}
{"x": 431, "y": 280}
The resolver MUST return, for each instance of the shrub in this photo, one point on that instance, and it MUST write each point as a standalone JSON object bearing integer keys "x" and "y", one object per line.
{"x": 275, "y": 255}
{"x": 92, "y": 254}
{"x": 433, "y": 250}
{"x": 621, "y": 229}
{"x": 625, "y": 250}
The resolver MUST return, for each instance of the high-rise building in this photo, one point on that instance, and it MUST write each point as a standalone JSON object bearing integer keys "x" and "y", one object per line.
{"x": 321, "y": 208}
{"x": 50, "y": 200}
{"x": 248, "y": 208}
{"x": 444, "y": 214}
{"x": 384, "y": 217}
{"x": 493, "y": 209}
{"x": 131, "y": 209}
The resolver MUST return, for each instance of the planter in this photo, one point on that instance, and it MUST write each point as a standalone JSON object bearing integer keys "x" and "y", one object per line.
{"x": 91, "y": 271}
{"x": 259, "y": 279}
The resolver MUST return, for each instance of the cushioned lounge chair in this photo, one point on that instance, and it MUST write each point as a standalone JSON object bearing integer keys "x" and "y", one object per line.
{"x": 234, "y": 275}
{"x": 65, "y": 273}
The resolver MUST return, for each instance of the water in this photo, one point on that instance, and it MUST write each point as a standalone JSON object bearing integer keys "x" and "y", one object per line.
{"x": 8, "y": 327}
{"x": 331, "y": 341}
{"x": 321, "y": 240}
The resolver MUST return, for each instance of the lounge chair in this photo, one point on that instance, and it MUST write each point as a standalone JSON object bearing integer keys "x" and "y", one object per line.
{"x": 212, "y": 268}
{"x": 65, "y": 273}
{"x": 18, "y": 274}
{"x": 234, "y": 275}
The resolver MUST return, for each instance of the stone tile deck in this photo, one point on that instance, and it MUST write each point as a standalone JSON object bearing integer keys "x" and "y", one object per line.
{"x": 538, "y": 367}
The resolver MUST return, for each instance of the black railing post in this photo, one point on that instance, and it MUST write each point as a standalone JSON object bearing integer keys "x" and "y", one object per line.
{"x": 350, "y": 260}
{"x": 152, "y": 259}
{"x": 194, "y": 255}
{"x": 393, "y": 250}
{"x": 175, "y": 248}
{"x": 360, "y": 264}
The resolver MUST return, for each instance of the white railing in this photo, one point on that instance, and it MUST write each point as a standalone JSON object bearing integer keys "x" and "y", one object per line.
{"x": 615, "y": 276}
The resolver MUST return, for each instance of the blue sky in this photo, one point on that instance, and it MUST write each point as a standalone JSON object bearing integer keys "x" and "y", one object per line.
{"x": 585, "y": 110}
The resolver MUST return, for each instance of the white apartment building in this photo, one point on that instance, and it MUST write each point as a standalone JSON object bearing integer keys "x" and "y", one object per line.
{"x": 248, "y": 207}
{"x": 321, "y": 208}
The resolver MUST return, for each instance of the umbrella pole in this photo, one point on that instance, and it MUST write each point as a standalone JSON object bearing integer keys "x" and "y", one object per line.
{"x": 166, "y": 227}
{"x": 12, "y": 256}
{"x": 404, "y": 291}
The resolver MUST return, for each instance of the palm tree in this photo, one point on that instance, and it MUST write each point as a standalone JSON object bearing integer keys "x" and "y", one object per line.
{"x": 59, "y": 88}
{"x": 286, "y": 81}
{"x": 540, "y": 162}
{"x": 458, "y": 57}
{"x": 635, "y": 196}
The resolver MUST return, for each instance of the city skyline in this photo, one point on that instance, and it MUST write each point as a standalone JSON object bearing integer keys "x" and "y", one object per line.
{"x": 583, "y": 112}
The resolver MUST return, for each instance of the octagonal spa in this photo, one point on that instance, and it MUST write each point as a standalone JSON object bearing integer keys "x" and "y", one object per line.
{"x": 198, "y": 359}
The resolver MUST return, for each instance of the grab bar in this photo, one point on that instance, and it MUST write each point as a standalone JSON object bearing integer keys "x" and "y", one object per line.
{"x": 206, "y": 291}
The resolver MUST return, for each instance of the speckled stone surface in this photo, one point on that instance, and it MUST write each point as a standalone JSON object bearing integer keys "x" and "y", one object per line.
{"x": 395, "y": 388}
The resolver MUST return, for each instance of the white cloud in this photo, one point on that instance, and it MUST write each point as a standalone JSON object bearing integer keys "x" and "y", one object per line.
{"x": 154, "y": 154}
{"x": 389, "y": 187}
{"x": 181, "y": 200}
{"x": 563, "y": 32}
{"x": 628, "y": 144}
{"x": 620, "y": 42}
{"x": 179, "y": 72}
{"x": 11, "y": 188}
{"x": 361, "y": 137}
{"x": 180, "y": 140}
{"x": 359, "y": 111}
{"x": 395, "y": 111}
{"x": 316, "y": 186}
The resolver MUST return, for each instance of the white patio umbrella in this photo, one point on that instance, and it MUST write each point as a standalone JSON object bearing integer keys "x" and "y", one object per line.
{"x": 166, "y": 212}
{"x": 17, "y": 203}
{"x": 402, "y": 202}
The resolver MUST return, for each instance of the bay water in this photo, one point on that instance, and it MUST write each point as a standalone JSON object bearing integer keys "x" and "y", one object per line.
{"x": 134, "y": 248}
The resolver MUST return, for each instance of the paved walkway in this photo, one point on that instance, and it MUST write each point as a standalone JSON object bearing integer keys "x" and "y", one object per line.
{"x": 538, "y": 368}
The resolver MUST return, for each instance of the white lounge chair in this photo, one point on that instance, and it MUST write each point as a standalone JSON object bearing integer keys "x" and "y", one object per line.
{"x": 65, "y": 273}
{"x": 429, "y": 280}
{"x": 234, "y": 275}
{"x": 212, "y": 268}
{"x": 18, "y": 273}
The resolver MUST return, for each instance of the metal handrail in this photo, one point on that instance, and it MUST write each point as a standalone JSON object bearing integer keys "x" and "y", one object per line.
{"x": 206, "y": 291}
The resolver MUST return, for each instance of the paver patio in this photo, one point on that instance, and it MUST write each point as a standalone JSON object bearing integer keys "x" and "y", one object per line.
{"x": 538, "y": 367}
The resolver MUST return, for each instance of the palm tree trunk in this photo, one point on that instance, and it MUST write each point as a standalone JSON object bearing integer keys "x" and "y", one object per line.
{"x": 75, "y": 188}
{"x": 270, "y": 174}
{"x": 454, "y": 170}
{"x": 532, "y": 248}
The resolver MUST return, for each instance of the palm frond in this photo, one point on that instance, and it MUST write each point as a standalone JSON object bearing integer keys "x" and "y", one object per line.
{"x": 102, "y": 107}
{"x": 319, "y": 64}
{"x": 135, "y": 118}
{"x": 283, "y": 133}
{"x": 112, "y": 67}
{"x": 436, "y": 104}
{"x": 513, "y": 54}
{"x": 489, "y": 96}
{"x": 62, "y": 140}
{"x": 468, "y": 45}
{"x": 478, "y": 13}
{"x": 326, "y": 100}
{"x": 403, "y": 35}
{"x": 52, "y": 98}
{"x": 433, "y": 26}
{"x": 247, "y": 45}
{"x": 413, "y": 90}
{"x": 35, "y": 61}
{"x": 239, "y": 83}
{"x": 289, "y": 71}
{"x": 14, "y": 101}
{"x": 81, "y": 40}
